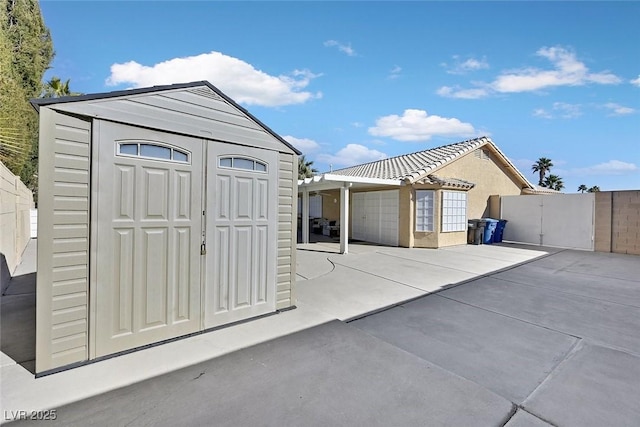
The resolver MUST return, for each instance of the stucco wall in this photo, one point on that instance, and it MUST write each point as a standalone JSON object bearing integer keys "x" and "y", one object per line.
{"x": 617, "y": 222}
{"x": 331, "y": 209}
{"x": 436, "y": 238}
{"x": 490, "y": 177}
{"x": 16, "y": 200}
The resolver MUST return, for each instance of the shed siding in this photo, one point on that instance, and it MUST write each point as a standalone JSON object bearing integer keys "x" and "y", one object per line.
{"x": 287, "y": 187}
{"x": 198, "y": 112}
{"x": 63, "y": 240}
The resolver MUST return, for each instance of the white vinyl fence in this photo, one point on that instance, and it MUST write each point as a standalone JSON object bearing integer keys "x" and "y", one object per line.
{"x": 558, "y": 220}
{"x": 16, "y": 200}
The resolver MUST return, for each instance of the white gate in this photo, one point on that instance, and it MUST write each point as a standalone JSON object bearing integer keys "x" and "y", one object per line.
{"x": 558, "y": 220}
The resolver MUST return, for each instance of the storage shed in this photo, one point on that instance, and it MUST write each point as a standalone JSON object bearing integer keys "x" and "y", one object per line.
{"x": 163, "y": 212}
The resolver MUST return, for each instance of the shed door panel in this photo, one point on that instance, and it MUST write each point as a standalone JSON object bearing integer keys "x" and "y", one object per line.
{"x": 375, "y": 217}
{"x": 241, "y": 234}
{"x": 148, "y": 238}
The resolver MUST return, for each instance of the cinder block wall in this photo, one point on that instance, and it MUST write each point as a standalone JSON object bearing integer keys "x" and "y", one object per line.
{"x": 16, "y": 201}
{"x": 617, "y": 222}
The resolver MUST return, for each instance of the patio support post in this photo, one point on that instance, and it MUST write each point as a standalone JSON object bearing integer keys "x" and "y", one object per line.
{"x": 305, "y": 215}
{"x": 344, "y": 218}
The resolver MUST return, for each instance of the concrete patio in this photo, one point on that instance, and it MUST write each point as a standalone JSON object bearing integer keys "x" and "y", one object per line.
{"x": 468, "y": 335}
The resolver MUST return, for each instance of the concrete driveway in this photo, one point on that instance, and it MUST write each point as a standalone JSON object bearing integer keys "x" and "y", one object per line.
{"x": 484, "y": 336}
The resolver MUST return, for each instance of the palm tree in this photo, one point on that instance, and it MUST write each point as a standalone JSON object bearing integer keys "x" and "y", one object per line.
{"x": 56, "y": 88}
{"x": 305, "y": 168}
{"x": 593, "y": 189}
{"x": 554, "y": 182}
{"x": 542, "y": 166}
{"x": 582, "y": 188}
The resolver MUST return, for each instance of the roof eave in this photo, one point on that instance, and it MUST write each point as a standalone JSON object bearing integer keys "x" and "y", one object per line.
{"x": 38, "y": 102}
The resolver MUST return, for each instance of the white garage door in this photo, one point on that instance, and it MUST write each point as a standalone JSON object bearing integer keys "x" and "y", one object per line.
{"x": 375, "y": 217}
{"x": 148, "y": 233}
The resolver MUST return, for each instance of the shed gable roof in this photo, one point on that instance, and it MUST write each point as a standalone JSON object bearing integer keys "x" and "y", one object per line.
{"x": 197, "y": 109}
{"x": 419, "y": 166}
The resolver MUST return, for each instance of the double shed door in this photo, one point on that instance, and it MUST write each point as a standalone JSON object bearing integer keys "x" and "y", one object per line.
{"x": 161, "y": 199}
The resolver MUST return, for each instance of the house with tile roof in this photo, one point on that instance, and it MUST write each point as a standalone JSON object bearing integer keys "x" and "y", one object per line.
{"x": 422, "y": 199}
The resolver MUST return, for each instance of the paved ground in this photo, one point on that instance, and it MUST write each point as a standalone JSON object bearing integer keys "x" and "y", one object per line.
{"x": 554, "y": 341}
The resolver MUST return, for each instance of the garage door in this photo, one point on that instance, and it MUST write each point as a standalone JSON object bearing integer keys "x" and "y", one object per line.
{"x": 241, "y": 233}
{"x": 149, "y": 226}
{"x": 375, "y": 217}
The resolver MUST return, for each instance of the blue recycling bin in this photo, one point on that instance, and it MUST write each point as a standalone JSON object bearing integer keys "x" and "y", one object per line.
{"x": 497, "y": 236}
{"x": 489, "y": 230}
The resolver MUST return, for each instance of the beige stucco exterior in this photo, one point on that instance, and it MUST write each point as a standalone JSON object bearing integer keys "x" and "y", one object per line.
{"x": 486, "y": 168}
{"x": 489, "y": 175}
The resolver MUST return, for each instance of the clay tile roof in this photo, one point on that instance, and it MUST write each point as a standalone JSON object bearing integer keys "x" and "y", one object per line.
{"x": 446, "y": 182}
{"x": 414, "y": 166}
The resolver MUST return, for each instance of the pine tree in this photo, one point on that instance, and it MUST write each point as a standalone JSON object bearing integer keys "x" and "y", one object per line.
{"x": 26, "y": 50}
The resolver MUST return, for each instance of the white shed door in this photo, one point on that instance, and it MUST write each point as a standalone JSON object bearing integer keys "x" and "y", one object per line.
{"x": 375, "y": 216}
{"x": 241, "y": 233}
{"x": 147, "y": 259}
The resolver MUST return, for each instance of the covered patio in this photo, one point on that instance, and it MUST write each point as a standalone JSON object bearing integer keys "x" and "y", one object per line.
{"x": 344, "y": 186}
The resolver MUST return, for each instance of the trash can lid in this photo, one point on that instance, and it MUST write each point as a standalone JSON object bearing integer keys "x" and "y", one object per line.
{"x": 489, "y": 220}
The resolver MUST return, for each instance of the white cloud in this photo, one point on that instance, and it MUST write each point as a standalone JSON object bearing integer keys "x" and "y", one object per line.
{"x": 417, "y": 125}
{"x": 395, "y": 72}
{"x": 568, "y": 111}
{"x": 635, "y": 82}
{"x": 345, "y": 48}
{"x": 618, "y": 110}
{"x": 352, "y": 154}
{"x": 235, "y": 77}
{"x": 567, "y": 71}
{"x": 457, "y": 92}
{"x": 559, "y": 110}
{"x": 305, "y": 145}
{"x": 463, "y": 67}
{"x": 541, "y": 112}
{"x": 612, "y": 167}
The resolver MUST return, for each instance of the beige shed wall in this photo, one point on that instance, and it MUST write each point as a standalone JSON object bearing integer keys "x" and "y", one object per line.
{"x": 16, "y": 201}
{"x": 63, "y": 241}
{"x": 287, "y": 232}
{"x": 489, "y": 177}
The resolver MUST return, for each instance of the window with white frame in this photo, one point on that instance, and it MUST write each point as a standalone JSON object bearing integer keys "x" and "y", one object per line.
{"x": 424, "y": 210}
{"x": 454, "y": 211}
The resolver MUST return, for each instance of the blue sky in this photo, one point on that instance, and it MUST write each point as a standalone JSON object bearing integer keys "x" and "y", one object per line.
{"x": 352, "y": 82}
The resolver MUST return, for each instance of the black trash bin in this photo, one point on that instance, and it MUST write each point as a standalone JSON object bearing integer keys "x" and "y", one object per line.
{"x": 471, "y": 231}
{"x": 475, "y": 231}
{"x": 482, "y": 224}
